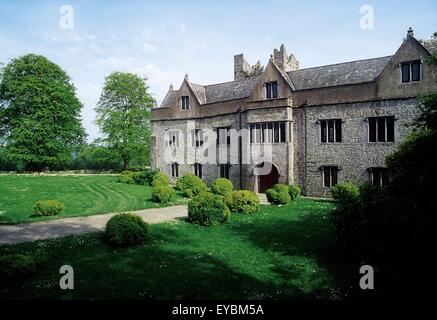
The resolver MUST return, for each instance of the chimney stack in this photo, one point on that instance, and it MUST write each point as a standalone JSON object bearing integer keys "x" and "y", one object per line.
{"x": 241, "y": 68}
{"x": 410, "y": 32}
{"x": 284, "y": 61}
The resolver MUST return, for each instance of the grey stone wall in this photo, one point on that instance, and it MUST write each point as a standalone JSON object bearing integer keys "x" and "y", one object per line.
{"x": 355, "y": 153}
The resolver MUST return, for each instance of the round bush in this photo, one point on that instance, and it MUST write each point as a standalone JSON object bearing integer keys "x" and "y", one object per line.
{"x": 160, "y": 179}
{"x": 47, "y": 208}
{"x": 17, "y": 265}
{"x": 126, "y": 229}
{"x": 207, "y": 209}
{"x": 222, "y": 186}
{"x": 242, "y": 201}
{"x": 345, "y": 191}
{"x": 278, "y": 194}
{"x": 293, "y": 191}
{"x": 162, "y": 193}
{"x": 145, "y": 177}
{"x": 190, "y": 185}
{"x": 126, "y": 177}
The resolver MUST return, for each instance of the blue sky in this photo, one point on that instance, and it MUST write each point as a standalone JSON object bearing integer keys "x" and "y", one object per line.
{"x": 166, "y": 39}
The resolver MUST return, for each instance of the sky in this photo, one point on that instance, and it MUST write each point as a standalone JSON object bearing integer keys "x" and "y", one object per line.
{"x": 164, "y": 40}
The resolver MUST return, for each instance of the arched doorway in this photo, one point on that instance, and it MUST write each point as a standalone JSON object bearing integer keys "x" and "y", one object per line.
{"x": 267, "y": 181}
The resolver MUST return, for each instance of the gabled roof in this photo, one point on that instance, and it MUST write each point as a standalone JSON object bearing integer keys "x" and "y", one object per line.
{"x": 230, "y": 90}
{"x": 169, "y": 99}
{"x": 353, "y": 72}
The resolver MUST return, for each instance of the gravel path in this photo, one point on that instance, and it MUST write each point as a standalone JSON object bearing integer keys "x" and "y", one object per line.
{"x": 27, "y": 232}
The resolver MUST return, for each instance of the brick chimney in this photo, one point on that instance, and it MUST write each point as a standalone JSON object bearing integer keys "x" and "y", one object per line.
{"x": 284, "y": 61}
{"x": 241, "y": 67}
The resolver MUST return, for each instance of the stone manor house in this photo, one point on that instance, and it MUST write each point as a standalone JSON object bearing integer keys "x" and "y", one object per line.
{"x": 323, "y": 125}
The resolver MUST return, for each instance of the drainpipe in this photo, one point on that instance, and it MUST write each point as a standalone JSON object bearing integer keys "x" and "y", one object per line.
{"x": 305, "y": 104}
{"x": 240, "y": 148}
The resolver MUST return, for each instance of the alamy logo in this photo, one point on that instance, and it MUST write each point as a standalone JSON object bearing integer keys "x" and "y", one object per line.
{"x": 67, "y": 280}
{"x": 221, "y": 146}
{"x": 368, "y": 17}
{"x": 66, "y": 22}
{"x": 367, "y": 280}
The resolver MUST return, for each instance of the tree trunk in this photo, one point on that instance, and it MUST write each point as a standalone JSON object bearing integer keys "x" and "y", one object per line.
{"x": 125, "y": 164}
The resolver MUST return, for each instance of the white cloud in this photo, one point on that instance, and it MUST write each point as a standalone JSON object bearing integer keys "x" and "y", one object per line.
{"x": 150, "y": 48}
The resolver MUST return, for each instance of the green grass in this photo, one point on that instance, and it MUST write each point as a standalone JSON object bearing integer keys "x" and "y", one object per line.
{"x": 81, "y": 196}
{"x": 280, "y": 252}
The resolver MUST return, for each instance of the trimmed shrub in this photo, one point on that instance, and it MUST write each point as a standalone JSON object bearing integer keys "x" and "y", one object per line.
{"x": 47, "y": 208}
{"x": 242, "y": 201}
{"x": 222, "y": 186}
{"x": 190, "y": 185}
{"x": 207, "y": 209}
{"x": 126, "y": 177}
{"x": 160, "y": 179}
{"x": 145, "y": 177}
{"x": 17, "y": 265}
{"x": 278, "y": 194}
{"x": 293, "y": 191}
{"x": 344, "y": 191}
{"x": 162, "y": 193}
{"x": 126, "y": 229}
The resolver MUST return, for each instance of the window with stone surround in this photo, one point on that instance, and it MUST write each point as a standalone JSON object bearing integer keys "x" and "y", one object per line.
{"x": 175, "y": 170}
{"x": 272, "y": 90}
{"x": 381, "y": 129}
{"x": 198, "y": 168}
{"x": 330, "y": 176}
{"x": 411, "y": 71}
{"x": 330, "y": 130}
{"x": 197, "y": 138}
{"x": 224, "y": 170}
{"x": 223, "y": 136}
{"x": 173, "y": 140}
{"x": 378, "y": 176}
{"x": 185, "y": 102}
{"x": 269, "y": 132}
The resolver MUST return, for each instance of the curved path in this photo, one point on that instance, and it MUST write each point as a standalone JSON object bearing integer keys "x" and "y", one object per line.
{"x": 27, "y": 232}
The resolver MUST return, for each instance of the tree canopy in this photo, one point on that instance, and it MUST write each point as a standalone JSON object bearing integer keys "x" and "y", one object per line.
{"x": 123, "y": 115}
{"x": 39, "y": 113}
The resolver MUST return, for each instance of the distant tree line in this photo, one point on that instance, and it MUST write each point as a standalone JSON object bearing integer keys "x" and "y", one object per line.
{"x": 41, "y": 128}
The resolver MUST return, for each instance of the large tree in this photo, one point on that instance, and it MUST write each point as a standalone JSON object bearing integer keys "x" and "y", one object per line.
{"x": 39, "y": 113}
{"x": 123, "y": 115}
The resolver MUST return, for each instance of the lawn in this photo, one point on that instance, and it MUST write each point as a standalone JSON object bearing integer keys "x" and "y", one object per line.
{"x": 280, "y": 252}
{"x": 81, "y": 195}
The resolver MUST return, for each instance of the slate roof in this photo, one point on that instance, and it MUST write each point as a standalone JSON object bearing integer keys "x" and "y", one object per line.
{"x": 338, "y": 74}
{"x": 230, "y": 90}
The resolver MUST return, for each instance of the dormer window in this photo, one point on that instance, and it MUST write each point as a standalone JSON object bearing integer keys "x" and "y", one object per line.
{"x": 272, "y": 90}
{"x": 410, "y": 71}
{"x": 185, "y": 102}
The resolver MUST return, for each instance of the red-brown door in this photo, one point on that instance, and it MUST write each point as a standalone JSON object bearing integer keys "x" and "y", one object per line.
{"x": 269, "y": 180}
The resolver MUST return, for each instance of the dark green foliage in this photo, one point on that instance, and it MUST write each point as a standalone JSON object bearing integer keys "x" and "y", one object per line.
{"x": 145, "y": 177}
{"x": 393, "y": 227}
{"x": 278, "y": 194}
{"x": 222, "y": 186}
{"x": 242, "y": 201}
{"x": 39, "y": 113}
{"x": 162, "y": 193}
{"x": 160, "y": 179}
{"x": 190, "y": 185}
{"x": 96, "y": 157}
{"x": 293, "y": 191}
{"x": 207, "y": 209}
{"x": 17, "y": 265}
{"x": 126, "y": 177}
{"x": 47, "y": 208}
{"x": 126, "y": 229}
{"x": 123, "y": 115}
